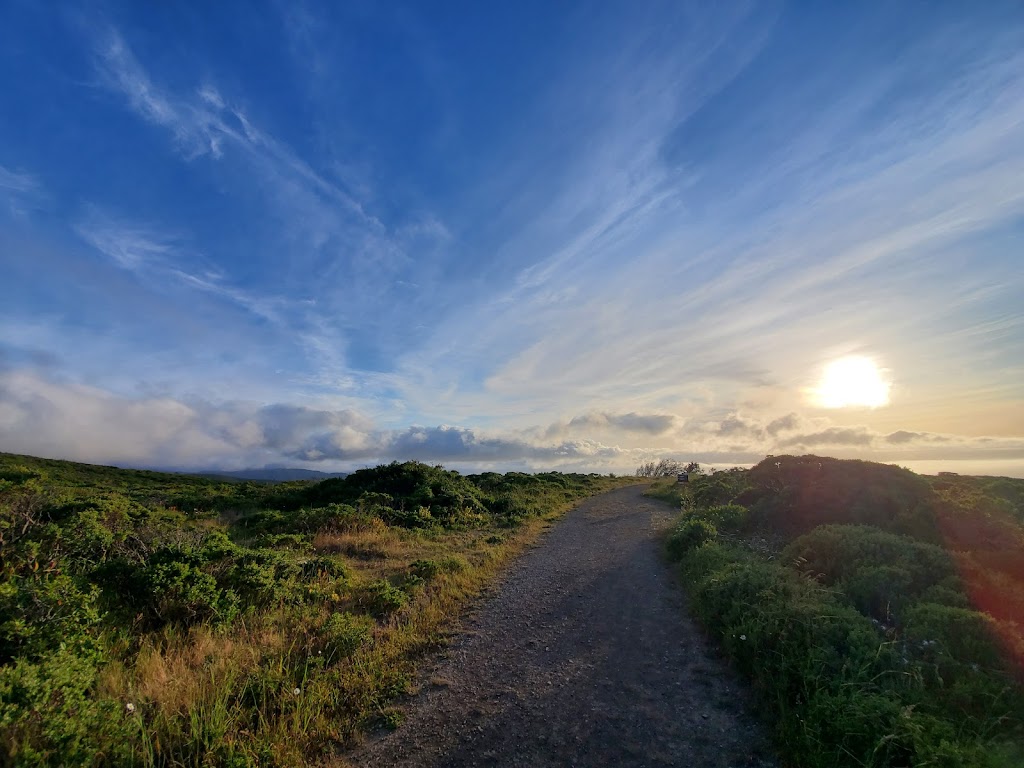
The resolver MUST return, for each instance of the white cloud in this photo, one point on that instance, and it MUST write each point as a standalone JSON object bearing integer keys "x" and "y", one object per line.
{"x": 18, "y": 190}
{"x": 13, "y": 182}
{"x": 42, "y": 415}
{"x": 134, "y": 248}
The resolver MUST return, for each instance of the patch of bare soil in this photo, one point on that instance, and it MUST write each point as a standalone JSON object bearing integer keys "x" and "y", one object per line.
{"x": 584, "y": 655}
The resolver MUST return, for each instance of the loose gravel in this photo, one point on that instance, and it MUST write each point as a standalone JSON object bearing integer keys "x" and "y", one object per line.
{"x": 584, "y": 655}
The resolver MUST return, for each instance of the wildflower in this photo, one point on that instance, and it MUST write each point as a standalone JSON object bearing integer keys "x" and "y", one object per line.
{"x": 296, "y": 691}
{"x": 129, "y": 707}
{"x": 743, "y": 637}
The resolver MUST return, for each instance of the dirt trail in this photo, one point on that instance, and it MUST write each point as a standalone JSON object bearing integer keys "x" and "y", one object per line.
{"x": 583, "y": 656}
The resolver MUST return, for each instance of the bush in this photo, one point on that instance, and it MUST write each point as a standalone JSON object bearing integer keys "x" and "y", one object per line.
{"x": 962, "y": 635}
{"x": 799, "y": 493}
{"x": 325, "y": 567}
{"x": 877, "y": 569}
{"x": 428, "y": 569}
{"x": 511, "y": 505}
{"x": 844, "y": 694}
{"x": 382, "y": 597}
{"x": 42, "y": 610}
{"x": 446, "y": 495}
{"x": 260, "y": 577}
{"x": 343, "y": 634}
{"x": 717, "y": 488}
{"x": 875, "y": 591}
{"x": 49, "y": 715}
{"x": 689, "y": 534}
{"x": 179, "y": 592}
{"x": 282, "y": 541}
{"x": 725, "y": 517}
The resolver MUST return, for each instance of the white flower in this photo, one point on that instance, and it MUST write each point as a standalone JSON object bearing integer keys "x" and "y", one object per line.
{"x": 129, "y": 707}
{"x": 296, "y": 691}
{"x": 743, "y": 637}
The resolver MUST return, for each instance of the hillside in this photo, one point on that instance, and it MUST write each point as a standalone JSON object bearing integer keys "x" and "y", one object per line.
{"x": 164, "y": 619}
{"x": 879, "y": 613}
{"x": 274, "y": 474}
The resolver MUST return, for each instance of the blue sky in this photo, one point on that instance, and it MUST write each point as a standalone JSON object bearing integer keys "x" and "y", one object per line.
{"x": 542, "y": 235}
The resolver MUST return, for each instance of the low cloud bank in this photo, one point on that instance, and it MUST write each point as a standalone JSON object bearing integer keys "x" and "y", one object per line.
{"x": 48, "y": 417}
{"x": 52, "y": 418}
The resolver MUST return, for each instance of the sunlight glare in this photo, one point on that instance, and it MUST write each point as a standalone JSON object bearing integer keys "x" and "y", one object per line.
{"x": 852, "y": 382}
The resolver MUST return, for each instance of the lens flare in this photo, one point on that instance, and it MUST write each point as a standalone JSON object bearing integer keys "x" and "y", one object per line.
{"x": 851, "y": 382}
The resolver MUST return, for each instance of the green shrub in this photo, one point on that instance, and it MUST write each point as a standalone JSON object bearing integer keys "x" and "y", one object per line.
{"x": 689, "y": 534}
{"x": 842, "y": 692}
{"x": 960, "y": 635}
{"x": 725, "y": 517}
{"x": 382, "y": 597}
{"x": 420, "y": 517}
{"x": 217, "y": 546}
{"x": 50, "y": 716}
{"x": 798, "y": 493}
{"x": 717, "y": 488}
{"x": 282, "y": 541}
{"x": 876, "y": 590}
{"x": 511, "y": 504}
{"x": 446, "y": 495}
{"x": 878, "y": 570}
{"x": 343, "y": 634}
{"x": 847, "y": 727}
{"x": 325, "y": 567}
{"x": 179, "y": 592}
{"x": 40, "y": 611}
{"x": 945, "y": 595}
{"x": 428, "y": 569}
{"x": 260, "y": 577}
{"x": 703, "y": 563}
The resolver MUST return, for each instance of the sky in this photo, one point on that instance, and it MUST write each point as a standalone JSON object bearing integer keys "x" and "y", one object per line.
{"x": 571, "y": 236}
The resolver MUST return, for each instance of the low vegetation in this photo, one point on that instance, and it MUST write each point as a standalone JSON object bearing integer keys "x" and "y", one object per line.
{"x": 878, "y": 613}
{"x": 158, "y": 619}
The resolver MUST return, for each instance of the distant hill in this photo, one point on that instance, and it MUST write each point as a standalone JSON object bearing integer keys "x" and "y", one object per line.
{"x": 274, "y": 474}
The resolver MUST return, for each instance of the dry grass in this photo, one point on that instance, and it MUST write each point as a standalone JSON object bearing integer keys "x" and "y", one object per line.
{"x": 371, "y": 545}
{"x": 174, "y": 671}
{"x": 206, "y": 695}
{"x": 189, "y": 683}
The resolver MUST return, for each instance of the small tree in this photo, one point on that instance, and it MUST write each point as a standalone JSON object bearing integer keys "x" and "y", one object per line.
{"x": 663, "y": 468}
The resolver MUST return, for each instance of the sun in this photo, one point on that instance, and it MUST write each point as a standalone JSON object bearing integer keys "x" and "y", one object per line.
{"x": 851, "y": 382}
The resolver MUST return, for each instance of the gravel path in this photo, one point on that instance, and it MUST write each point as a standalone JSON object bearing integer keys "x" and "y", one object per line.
{"x": 584, "y": 655}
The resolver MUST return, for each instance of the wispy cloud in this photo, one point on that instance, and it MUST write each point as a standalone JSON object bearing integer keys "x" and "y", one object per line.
{"x": 18, "y": 190}
{"x": 820, "y": 246}
{"x": 17, "y": 182}
{"x": 155, "y": 256}
{"x": 132, "y": 247}
{"x": 322, "y": 229}
{"x": 203, "y": 122}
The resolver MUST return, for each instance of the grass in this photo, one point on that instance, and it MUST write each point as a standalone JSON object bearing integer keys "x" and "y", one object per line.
{"x": 259, "y": 625}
